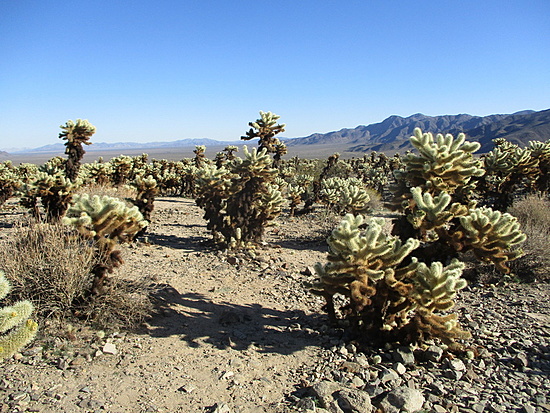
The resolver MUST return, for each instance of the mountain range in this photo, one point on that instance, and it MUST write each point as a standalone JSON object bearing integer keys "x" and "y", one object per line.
{"x": 389, "y": 136}
{"x": 392, "y": 134}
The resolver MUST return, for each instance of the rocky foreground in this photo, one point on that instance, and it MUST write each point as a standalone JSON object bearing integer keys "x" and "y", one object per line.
{"x": 236, "y": 335}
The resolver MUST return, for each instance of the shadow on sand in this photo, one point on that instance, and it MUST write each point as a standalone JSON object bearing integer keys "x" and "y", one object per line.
{"x": 195, "y": 318}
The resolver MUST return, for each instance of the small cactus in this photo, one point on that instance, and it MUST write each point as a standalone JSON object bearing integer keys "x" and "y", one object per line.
{"x": 16, "y": 319}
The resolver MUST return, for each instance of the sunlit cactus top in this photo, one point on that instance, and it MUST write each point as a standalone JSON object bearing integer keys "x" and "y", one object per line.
{"x": 79, "y": 131}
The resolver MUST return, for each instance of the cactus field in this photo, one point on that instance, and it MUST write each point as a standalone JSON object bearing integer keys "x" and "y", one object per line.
{"x": 247, "y": 281}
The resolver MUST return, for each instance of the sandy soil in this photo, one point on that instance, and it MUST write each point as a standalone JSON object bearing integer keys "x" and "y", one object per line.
{"x": 231, "y": 330}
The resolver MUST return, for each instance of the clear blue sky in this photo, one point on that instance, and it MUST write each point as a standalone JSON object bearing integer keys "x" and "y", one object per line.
{"x": 172, "y": 69}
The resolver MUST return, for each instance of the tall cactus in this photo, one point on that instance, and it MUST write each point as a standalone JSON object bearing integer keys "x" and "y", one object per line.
{"x": 265, "y": 128}
{"x": 240, "y": 198}
{"x": 14, "y": 320}
{"x": 76, "y": 134}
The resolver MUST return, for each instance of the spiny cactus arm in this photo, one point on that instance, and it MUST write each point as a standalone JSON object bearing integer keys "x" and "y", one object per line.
{"x": 436, "y": 287}
{"x": 15, "y": 315}
{"x": 445, "y": 327}
{"x": 17, "y": 338}
{"x": 12, "y": 316}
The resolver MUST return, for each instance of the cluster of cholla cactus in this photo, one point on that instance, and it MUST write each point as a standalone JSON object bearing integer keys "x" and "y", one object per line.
{"x": 265, "y": 128}
{"x": 345, "y": 195}
{"x": 392, "y": 296}
{"x": 239, "y": 198}
{"x": 398, "y": 286}
{"x": 76, "y": 134}
{"x": 109, "y": 222}
{"x": 53, "y": 189}
{"x": 436, "y": 191}
{"x": 57, "y": 179}
{"x": 15, "y": 326}
{"x": 511, "y": 170}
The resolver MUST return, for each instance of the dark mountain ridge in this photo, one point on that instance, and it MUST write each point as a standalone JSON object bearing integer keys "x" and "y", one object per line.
{"x": 392, "y": 134}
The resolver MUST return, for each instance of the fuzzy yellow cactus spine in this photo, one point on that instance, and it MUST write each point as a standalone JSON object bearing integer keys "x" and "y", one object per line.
{"x": 16, "y": 319}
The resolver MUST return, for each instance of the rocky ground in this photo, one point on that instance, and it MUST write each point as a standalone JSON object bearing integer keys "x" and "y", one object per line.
{"x": 242, "y": 334}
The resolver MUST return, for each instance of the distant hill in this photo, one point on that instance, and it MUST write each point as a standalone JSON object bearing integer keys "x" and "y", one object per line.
{"x": 4, "y": 155}
{"x": 392, "y": 134}
{"x": 103, "y": 146}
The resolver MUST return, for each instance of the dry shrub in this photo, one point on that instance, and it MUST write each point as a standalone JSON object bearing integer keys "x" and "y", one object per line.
{"x": 533, "y": 213}
{"x": 50, "y": 265}
{"x": 122, "y": 192}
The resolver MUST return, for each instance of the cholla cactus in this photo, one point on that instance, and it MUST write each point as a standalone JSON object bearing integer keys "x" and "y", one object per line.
{"x": 55, "y": 192}
{"x": 345, "y": 195}
{"x": 76, "y": 134}
{"x": 146, "y": 191}
{"x": 109, "y": 222}
{"x": 294, "y": 195}
{"x": 266, "y": 128}
{"x": 9, "y": 181}
{"x": 390, "y": 296}
{"x": 432, "y": 214}
{"x": 96, "y": 172}
{"x": 443, "y": 164}
{"x": 511, "y": 169}
{"x": 492, "y": 235}
{"x": 122, "y": 169}
{"x": 14, "y": 319}
{"x": 439, "y": 210}
{"x": 239, "y": 198}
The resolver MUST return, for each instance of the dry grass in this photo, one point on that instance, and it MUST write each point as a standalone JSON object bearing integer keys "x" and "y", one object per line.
{"x": 50, "y": 265}
{"x": 123, "y": 192}
{"x": 533, "y": 213}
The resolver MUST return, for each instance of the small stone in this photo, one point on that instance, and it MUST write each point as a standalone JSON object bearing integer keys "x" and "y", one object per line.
{"x": 399, "y": 368}
{"x": 307, "y": 403}
{"x": 351, "y": 367}
{"x": 85, "y": 389}
{"x": 388, "y": 375}
{"x": 354, "y": 401}
{"x": 221, "y": 408}
{"x": 527, "y": 408}
{"x": 227, "y": 375}
{"x": 404, "y": 355}
{"x": 433, "y": 353}
{"x": 439, "y": 409}
{"x": 188, "y": 388}
{"x": 457, "y": 364}
{"x": 109, "y": 348}
{"x": 520, "y": 360}
{"x": 403, "y": 399}
{"x": 478, "y": 407}
{"x": 357, "y": 382}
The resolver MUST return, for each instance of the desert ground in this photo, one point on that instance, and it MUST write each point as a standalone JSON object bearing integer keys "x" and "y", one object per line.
{"x": 241, "y": 333}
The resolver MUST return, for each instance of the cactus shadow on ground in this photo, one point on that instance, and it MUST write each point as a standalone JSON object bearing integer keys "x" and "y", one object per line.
{"x": 193, "y": 243}
{"x": 225, "y": 325}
